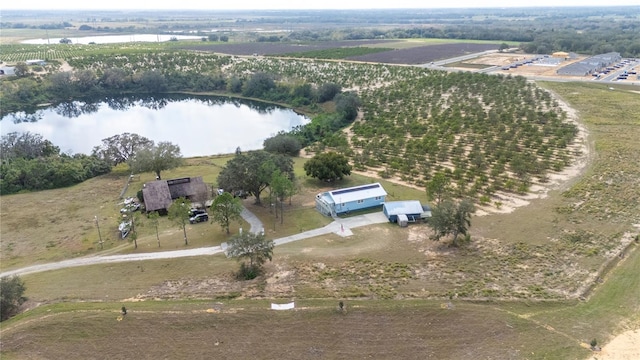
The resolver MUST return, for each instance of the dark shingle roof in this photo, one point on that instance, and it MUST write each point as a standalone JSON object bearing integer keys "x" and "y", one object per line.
{"x": 159, "y": 194}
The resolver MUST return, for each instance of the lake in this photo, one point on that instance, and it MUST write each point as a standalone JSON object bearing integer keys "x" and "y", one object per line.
{"x": 199, "y": 125}
{"x": 112, "y": 39}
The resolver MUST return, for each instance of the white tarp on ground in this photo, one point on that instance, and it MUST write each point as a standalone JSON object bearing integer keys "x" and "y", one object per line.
{"x": 288, "y": 306}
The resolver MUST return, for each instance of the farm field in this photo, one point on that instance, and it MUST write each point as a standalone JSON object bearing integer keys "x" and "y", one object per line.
{"x": 414, "y": 53}
{"x": 425, "y": 54}
{"x": 279, "y": 48}
{"x": 552, "y": 262}
{"x": 310, "y": 269}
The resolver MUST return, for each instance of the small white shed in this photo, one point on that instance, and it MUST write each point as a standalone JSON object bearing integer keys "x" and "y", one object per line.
{"x": 403, "y": 220}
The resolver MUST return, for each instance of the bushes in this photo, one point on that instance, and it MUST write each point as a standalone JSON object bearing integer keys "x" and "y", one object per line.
{"x": 11, "y": 291}
{"x": 283, "y": 143}
{"x": 248, "y": 272}
{"x": 48, "y": 172}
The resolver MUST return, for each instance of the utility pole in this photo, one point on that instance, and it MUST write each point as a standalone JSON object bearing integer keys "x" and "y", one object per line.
{"x": 95, "y": 218}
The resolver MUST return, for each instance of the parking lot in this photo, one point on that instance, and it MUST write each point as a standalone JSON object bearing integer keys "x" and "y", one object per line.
{"x": 624, "y": 71}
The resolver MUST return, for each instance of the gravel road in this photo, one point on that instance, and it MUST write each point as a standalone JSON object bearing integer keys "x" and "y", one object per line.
{"x": 341, "y": 227}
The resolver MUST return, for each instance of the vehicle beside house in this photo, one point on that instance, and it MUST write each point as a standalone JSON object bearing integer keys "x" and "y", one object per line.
{"x": 158, "y": 195}
{"x": 201, "y": 217}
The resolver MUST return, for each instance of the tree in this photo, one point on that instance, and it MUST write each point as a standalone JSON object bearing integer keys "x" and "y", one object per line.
{"x": 303, "y": 94}
{"x": 503, "y": 46}
{"x": 234, "y": 85}
{"x": 178, "y": 212}
{"x": 164, "y": 156}
{"x": 226, "y": 208}
{"x": 26, "y": 145}
{"x": 250, "y": 173}
{"x": 154, "y": 220}
{"x": 21, "y": 69}
{"x": 328, "y": 91}
{"x": 119, "y": 149}
{"x": 85, "y": 79}
{"x": 61, "y": 84}
{"x": 281, "y": 186}
{"x": 253, "y": 247}
{"x": 347, "y": 105}
{"x": 449, "y": 218}
{"x": 11, "y": 296}
{"x": 438, "y": 187}
{"x": 114, "y": 78}
{"x": 283, "y": 143}
{"x": 329, "y": 166}
{"x": 134, "y": 217}
{"x": 213, "y": 37}
{"x": 258, "y": 85}
{"x": 153, "y": 81}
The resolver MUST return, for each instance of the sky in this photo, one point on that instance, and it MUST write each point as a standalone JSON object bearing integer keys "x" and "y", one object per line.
{"x": 289, "y": 4}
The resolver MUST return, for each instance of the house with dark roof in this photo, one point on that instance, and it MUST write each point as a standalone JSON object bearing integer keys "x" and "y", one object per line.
{"x": 159, "y": 194}
{"x": 334, "y": 202}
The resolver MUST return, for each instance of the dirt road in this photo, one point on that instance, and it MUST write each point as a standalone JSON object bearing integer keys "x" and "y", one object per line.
{"x": 341, "y": 227}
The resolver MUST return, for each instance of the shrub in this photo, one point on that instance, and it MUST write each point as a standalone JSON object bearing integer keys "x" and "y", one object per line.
{"x": 11, "y": 291}
{"x": 248, "y": 272}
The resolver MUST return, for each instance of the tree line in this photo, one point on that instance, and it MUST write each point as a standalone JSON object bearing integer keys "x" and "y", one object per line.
{"x": 29, "y": 163}
{"x": 541, "y": 33}
{"x": 24, "y": 92}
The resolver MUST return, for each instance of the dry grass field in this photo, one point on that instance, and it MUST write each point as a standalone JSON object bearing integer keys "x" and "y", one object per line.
{"x": 379, "y": 330}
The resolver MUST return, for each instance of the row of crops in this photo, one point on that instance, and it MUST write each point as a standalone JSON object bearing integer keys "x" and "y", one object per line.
{"x": 14, "y": 53}
{"x": 485, "y": 133}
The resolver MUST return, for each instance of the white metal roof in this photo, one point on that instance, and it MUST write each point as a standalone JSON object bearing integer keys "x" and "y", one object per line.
{"x": 403, "y": 207}
{"x": 357, "y": 193}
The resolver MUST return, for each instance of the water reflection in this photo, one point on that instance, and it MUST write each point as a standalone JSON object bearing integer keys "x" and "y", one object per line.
{"x": 199, "y": 125}
{"x": 112, "y": 39}
{"x": 22, "y": 117}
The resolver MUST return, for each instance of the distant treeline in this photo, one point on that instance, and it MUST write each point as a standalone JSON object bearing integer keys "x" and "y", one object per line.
{"x": 25, "y": 92}
{"x": 20, "y": 25}
{"x": 589, "y": 37}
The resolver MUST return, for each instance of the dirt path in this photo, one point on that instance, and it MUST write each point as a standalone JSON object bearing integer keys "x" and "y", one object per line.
{"x": 341, "y": 227}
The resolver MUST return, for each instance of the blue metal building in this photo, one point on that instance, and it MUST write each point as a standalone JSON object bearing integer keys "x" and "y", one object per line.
{"x": 334, "y": 202}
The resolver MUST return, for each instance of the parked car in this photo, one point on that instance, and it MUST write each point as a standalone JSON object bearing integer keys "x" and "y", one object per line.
{"x": 194, "y": 212}
{"x": 130, "y": 207}
{"x": 199, "y": 218}
{"x": 124, "y": 228}
{"x": 241, "y": 194}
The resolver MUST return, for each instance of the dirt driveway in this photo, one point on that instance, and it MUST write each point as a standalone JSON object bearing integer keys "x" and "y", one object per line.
{"x": 341, "y": 227}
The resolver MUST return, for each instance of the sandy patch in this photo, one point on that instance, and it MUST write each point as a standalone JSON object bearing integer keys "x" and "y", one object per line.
{"x": 65, "y": 66}
{"x": 625, "y": 346}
